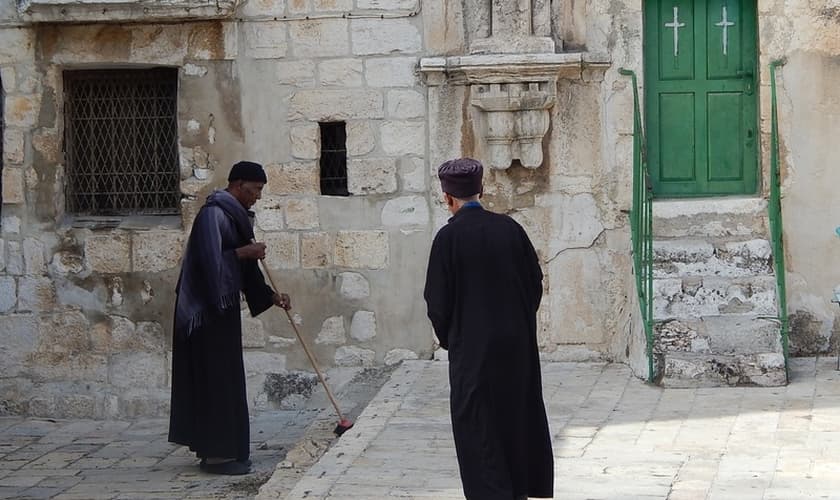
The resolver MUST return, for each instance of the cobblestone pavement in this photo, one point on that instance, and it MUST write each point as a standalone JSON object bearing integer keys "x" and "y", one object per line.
{"x": 95, "y": 459}
{"x": 614, "y": 438}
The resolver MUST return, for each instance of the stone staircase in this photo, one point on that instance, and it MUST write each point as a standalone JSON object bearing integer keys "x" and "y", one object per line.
{"x": 715, "y": 294}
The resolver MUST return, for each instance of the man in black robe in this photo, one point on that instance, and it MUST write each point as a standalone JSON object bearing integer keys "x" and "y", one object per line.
{"x": 209, "y": 408}
{"x": 483, "y": 289}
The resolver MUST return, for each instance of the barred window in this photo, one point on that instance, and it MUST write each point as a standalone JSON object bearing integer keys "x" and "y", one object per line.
{"x": 334, "y": 158}
{"x": 121, "y": 141}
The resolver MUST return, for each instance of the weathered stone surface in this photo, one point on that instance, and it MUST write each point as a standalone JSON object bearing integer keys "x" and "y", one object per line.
{"x": 695, "y": 297}
{"x": 194, "y": 70}
{"x": 33, "y": 256}
{"x": 16, "y": 45}
{"x": 293, "y": 178}
{"x": 75, "y": 406}
{"x": 341, "y": 72}
{"x": 302, "y": 213}
{"x": 361, "y": 249}
{"x": 402, "y": 104}
{"x": 333, "y": 5}
{"x": 265, "y": 40}
{"x": 13, "y": 191}
{"x": 9, "y": 80}
{"x": 13, "y": 145}
{"x": 353, "y": 286}
{"x": 363, "y": 326}
{"x": 371, "y": 175}
{"x": 264, "y": 8}
{"x": 391, "y": 72}
{"x": 406, "y": 211}
{"x": 14, "y": 264}
{"x": 156, "y": 251}
{"x": 47, "y": 143}
{"x": 574, "y": 219}
{"x": 10, "y": 225}
{"x": 714, "y": 370}
{"x": 35, "y": 294}
{"x": 145, "y": 336}
{"x": 22, "y": 110}
{"x": 137, "y": 369}
{"x": 384, "y": 36}
{"x": 578, "y": 297}
{"x": 354, "y": 356}
{"x": 332, "y": 332}
{"x": 361, "y": 138}
{"x": 282, "y": 251}
{"x": 412, "y": 174}
{"x": 253, "y": 331}
{"x": 67, "y": 262}
{"x": 8, "y": 293}
{"x": 20, "y": 336}
{"x": 298, "y": 73}
{"x": 336, "y": 105}
{"x": 316, "y": 250}
{"x": 154, "y": 43}
{"x": 395, "y": 356}
{"x": 262, "y": 363}
{"x": 403, "y": 138}
{"x": 319, "y": 38}
{"x": 387, "y": 4}
{"x": 108, "y": 253}
{"x": 269, "y": 212}
{"x": 306, "y": 141}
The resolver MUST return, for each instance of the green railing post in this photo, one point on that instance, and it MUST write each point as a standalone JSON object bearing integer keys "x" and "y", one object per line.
{"x": 775, "y": 213}
{"x": 641, "y": 223}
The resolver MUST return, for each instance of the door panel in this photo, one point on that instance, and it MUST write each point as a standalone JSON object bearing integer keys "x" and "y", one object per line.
{"x": 700, "y": 104}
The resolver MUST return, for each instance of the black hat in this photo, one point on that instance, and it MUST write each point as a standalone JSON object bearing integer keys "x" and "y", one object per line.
{"x": 247, "y": 171}
{"x": 461, "y": 177}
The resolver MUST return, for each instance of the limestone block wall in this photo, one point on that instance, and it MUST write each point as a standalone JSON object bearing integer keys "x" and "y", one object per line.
{"x": 86, "y": 305}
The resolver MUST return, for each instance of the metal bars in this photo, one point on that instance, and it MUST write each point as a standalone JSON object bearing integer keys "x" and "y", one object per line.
{"x": 121, "y": 141}
{"x": 641, "y": 224}
{"x": 334, "y": 158}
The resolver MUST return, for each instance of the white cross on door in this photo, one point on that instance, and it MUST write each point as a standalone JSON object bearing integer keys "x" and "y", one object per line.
{"x": 676, "y": 25}
{"x": 725, "y": 23}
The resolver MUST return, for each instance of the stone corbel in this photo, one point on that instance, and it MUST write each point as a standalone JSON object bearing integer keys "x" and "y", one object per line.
{"x": 516, "y": 120}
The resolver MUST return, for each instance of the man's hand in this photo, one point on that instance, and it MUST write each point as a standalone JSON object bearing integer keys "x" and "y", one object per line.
{"x": 251, "y": 251}
{"x": 282, "y": 300}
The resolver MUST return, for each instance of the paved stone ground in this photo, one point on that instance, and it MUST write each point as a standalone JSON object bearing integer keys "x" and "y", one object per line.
{"x": 614, "y": 438}
{"x": 94, "y": 459}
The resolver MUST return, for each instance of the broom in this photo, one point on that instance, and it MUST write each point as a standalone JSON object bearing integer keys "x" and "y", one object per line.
{"x": 344, "y": 424}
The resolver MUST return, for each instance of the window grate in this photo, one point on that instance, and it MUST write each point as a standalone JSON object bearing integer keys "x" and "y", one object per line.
{"x": 334, "y": 158}
{"x": 122, "y": 141}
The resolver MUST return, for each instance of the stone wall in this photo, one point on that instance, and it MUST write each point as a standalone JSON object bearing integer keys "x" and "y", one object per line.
{"x": 87, "y": 304}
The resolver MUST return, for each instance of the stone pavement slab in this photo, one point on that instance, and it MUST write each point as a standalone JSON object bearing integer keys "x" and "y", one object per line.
{"x": 614, "y": 437}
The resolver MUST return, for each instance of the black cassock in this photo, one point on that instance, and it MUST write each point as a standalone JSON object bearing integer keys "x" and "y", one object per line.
{"x": 209, "y": 407}
{"x": 483, "y": 289}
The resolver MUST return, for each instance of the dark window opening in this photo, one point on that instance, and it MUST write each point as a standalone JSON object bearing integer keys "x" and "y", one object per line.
{"x": 334, "y": 158}
{"x": 121, "y": 141}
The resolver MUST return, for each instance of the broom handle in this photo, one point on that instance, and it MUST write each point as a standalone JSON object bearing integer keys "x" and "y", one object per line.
{"x": 305, "y": 348}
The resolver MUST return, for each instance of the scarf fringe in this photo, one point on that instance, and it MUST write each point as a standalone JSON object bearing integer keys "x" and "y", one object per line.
{"x": 225, "y": 302}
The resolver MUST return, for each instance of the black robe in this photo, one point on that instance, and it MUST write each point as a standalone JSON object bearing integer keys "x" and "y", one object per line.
{"x": 483, "y": 289}
{"x": 209, "y": 407}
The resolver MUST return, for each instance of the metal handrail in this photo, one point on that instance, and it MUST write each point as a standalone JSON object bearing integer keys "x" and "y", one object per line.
{"x": 775, "y": 214}
{"x": 641, "y": 223}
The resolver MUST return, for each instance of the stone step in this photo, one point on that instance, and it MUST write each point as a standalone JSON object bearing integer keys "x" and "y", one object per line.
{"x": 689, "y": 370}
{"x": 731, "y": 334}
{"x": 699, "y": 297}
{"x": 720, "y": 218}
{"x": 673, "y": 258}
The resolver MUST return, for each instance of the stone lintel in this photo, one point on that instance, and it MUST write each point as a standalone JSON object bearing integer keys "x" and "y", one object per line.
{"x": 504, "y": 68}
{"x": 83, "y": 11}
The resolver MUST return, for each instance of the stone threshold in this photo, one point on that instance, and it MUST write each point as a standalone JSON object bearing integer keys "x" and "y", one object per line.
{"x": 668, "y": 209}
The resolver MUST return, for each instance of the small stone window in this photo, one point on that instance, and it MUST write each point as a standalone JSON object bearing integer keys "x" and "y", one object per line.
{"x": 334, "y": 158}
{"x": 121, "y": 141}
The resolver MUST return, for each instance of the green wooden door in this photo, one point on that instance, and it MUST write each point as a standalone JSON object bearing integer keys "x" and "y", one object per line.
{"x": 700, "y": 101}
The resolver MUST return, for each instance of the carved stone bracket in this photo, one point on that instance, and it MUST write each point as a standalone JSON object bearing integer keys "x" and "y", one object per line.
{"x": 517, "y": 119}
{"x": 514, "y": 93}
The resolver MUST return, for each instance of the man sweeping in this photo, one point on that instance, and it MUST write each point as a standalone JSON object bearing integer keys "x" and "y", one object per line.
{"x": 483, "y": 289}
{"x": 209, "y": 409}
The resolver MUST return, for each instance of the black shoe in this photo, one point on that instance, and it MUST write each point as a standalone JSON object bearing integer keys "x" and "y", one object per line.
{"x": 232, "y": 468}
{"x": 247, "y": 462}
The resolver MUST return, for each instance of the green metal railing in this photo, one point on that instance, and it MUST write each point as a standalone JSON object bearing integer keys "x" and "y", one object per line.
{"x": 641, "y": 223}
{"x": 775, "y": 209}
